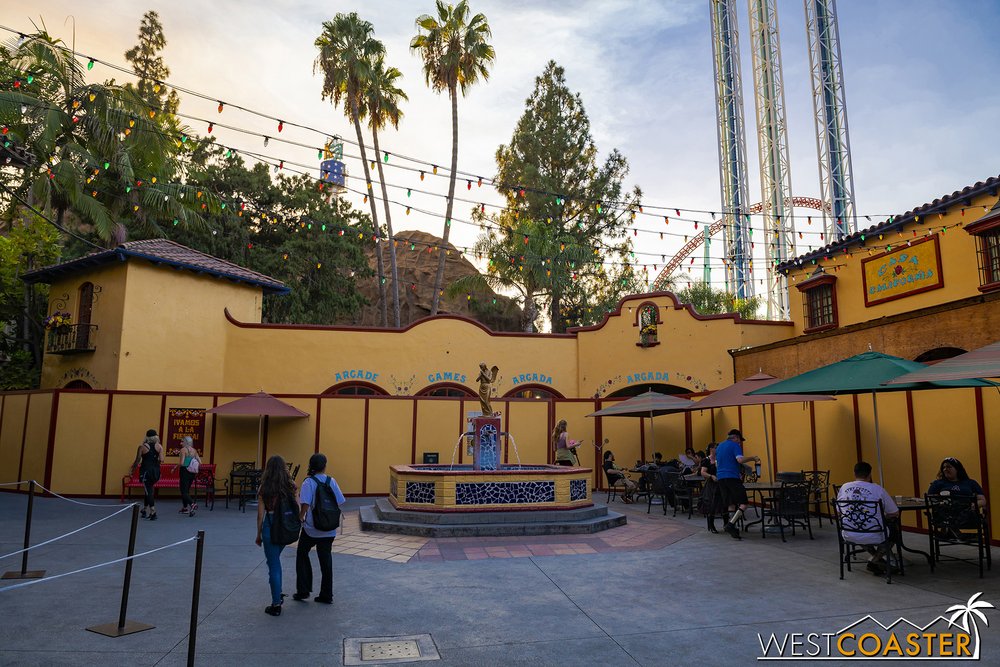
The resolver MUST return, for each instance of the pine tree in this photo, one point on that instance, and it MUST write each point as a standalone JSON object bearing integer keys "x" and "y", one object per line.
{"x": 549, "y": 173}
{"x": 148, "y": 65}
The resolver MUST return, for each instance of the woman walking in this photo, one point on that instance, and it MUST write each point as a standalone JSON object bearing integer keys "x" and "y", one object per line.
{"x": 275, "y": 485}
{"x": 189, "y": 459}
{"x": 148, "y": 458}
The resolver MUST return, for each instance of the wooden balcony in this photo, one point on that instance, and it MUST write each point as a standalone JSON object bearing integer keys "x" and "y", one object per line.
{"x": 71, "y": 339}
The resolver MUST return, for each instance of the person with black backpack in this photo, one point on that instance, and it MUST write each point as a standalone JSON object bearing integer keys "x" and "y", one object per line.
{"x": 277, "y": 523}
{"x": 319, "y": 499}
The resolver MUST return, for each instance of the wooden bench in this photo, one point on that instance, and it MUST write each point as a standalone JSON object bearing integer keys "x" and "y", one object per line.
{"x": 170, "y": 479}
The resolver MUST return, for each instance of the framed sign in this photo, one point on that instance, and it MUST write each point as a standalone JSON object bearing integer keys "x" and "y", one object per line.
{"x": 908, "y": 270}
{"x": 185, "y": 422}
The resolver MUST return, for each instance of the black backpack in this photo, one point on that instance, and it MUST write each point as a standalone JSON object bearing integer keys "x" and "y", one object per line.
{"x": 325, "y": 509}
{"x": 285, "y": 522}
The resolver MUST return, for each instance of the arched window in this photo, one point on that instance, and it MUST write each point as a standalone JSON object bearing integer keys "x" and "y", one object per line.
{"x": 536, "y": 391}
{"x": 77, "y": 384}
{"x": 647, "y": 320}
{"x": 447, "y": 389}
{"x": 939, "y": 354}
{"x": 356, "y": 389}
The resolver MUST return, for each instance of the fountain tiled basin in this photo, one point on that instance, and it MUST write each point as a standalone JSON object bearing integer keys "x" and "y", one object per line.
{"x": 514, "y": 487}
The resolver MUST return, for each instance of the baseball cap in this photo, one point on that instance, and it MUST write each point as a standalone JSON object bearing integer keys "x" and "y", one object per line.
{"x": 736, "y": 432}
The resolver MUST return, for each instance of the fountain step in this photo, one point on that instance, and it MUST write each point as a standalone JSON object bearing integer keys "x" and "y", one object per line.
{"x": 383, "y": 517}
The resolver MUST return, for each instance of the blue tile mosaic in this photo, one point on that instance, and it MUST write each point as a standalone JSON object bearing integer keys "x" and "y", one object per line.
{"x": 504, "y": 493}
{"x": 393, "y": 489}
{"x": 577, "y": 489}
{"x": 489, "y": 448}
{"x": 420, "y": 492}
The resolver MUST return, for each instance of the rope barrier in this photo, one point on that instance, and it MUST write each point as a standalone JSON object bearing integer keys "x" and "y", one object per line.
{"x": 54, "y": 539}
{"x": 94, "y": 567}
{"x": 23, "y": 481}
{"x": 79, "y": 502}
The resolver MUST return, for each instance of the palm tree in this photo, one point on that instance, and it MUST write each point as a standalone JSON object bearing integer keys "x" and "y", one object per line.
{"x": 347, "y": 57}
{"x": 380, "y": 105}
{"x": 456, "y": 55}
{"x": 96, "y": 142}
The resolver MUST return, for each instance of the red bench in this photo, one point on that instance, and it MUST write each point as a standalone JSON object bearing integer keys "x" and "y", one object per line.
{"x": 170, "y": 479}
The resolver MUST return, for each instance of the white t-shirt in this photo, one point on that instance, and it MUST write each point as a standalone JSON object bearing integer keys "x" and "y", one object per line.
{"x": 858, "y": 490}
{"x": 306, "y": 494}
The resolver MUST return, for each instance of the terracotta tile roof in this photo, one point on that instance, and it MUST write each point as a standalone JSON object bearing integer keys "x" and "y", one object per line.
{"x": 989, "y": 186}
{"x": 160, "y": 251}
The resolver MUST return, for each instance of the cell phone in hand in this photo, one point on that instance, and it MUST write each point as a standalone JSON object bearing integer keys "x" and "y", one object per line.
{"x": 756, "y": 467}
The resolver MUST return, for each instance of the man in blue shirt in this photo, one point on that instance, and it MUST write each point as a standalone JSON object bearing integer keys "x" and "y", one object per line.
{"x": 729, "y": 460}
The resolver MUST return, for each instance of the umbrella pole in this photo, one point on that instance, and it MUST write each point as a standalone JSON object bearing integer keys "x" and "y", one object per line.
{"x": 878, "y": 448}
{"x": 260, "y": 438}
{"x": 767, "y": 441}
{"x": 652, "y": 435}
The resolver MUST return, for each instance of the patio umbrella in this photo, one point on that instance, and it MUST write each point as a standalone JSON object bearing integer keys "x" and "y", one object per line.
{"x": 649, "y": 405}
{"x": 259, "y": 405}
{"x": 862, "y": 374}
{"x": 738, "y": 394}
{"x": 981, "y": 363}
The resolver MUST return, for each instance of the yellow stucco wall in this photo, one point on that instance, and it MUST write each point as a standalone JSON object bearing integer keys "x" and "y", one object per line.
{"x": 692, "y": 352}
{"x": 173, "y": 337}
{"x": 99, "y": 368}
{"x": 958, "y": 267}
{"x": 80, "y": 430}
{"x": 36, "y": 440}
{"x": 11, "y": 435}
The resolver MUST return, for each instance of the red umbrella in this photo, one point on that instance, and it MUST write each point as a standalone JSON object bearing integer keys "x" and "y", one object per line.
{"x": 736, "y": 394}
{"x": 259, "y": 405}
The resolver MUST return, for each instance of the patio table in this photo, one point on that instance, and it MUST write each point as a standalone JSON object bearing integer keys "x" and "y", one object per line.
{"x": 908, "y": 504}
{"x": 759, "y": 489}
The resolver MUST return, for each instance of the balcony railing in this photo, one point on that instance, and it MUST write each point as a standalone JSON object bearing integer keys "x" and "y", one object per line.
{"x": 71, "y": 339}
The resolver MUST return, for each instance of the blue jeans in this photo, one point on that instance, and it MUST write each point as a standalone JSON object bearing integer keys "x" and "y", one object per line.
{"x": 272, "y": 552}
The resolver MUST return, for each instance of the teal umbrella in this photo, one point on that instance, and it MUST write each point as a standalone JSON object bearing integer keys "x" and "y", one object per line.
{"x": 862, "y": 374}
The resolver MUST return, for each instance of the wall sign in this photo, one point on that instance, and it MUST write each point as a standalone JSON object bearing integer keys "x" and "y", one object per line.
{"x": 183, "y": 422}
{"x": 355, "y": 374}
{"x": 909, "y": 270}
{"x": 524, "y": 378}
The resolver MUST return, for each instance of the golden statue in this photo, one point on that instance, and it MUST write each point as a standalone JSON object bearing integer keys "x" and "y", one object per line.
{"x": 486, "y": 379}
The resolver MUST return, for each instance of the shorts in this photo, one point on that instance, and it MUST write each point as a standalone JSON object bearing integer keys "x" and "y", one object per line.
{"x": 733, "y": 492}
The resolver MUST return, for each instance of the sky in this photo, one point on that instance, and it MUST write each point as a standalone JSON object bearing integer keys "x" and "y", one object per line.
{"x": 920, "y": 79}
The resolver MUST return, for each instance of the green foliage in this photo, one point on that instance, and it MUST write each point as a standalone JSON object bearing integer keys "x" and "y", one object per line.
{"x": 148, "y": 64}
{"x": 27, "y": 243}
{"x": 288, "y": 243}
{"x": 579, "y": 255}
{"x": 710, "y": 301}
{"x": 69, "y": 129}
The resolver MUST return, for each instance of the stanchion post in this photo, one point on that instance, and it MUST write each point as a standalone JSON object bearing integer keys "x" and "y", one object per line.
{"x": 124, "y": 627}
{"x": 195, "y": 593}
{"x": 25, "y": 573}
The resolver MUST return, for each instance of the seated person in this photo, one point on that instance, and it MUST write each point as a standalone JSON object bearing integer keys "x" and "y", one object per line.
{"x": 953, "y": 479}
{"x": 614, "y": 473}
{"x": 862, "y": 488}
{"x": 687, "y": 458}
{"x": 658, "y": 460}
{"x": 699, "y": 456}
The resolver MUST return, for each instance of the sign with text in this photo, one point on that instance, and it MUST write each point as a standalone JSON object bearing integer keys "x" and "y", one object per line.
{"x": 909, "y": 270}
{"x": 183, "y": 422}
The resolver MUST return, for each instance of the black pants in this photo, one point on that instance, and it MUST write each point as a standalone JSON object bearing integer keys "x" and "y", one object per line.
{"x": 303, "y": 568}
{"x": 186, "y": 478}
{"x": 149, "y": 479}
{"x": 564, "y": 462}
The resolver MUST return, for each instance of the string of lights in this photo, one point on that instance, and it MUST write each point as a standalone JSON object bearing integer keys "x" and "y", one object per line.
{"x": 428, "y": 165}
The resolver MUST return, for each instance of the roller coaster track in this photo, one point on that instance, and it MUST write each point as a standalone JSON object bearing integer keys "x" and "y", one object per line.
{"x": 663, "y": 279}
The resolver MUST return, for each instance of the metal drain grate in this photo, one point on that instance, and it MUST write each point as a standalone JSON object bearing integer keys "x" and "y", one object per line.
{"x": 389, "y": 650}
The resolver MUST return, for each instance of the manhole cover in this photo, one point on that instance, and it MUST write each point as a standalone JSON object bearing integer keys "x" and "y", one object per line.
{"x": 389, "y": 650}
